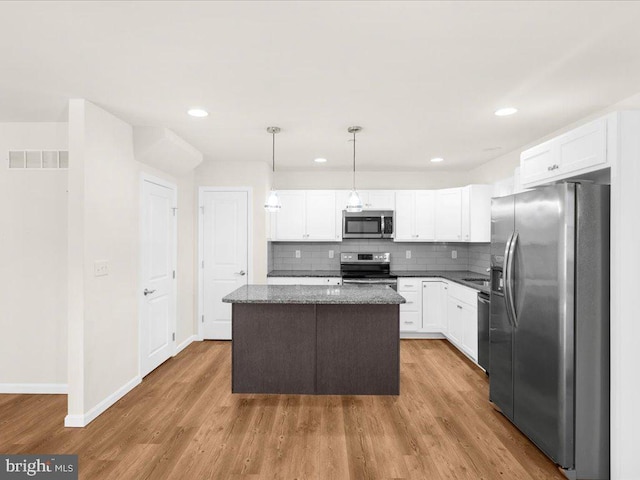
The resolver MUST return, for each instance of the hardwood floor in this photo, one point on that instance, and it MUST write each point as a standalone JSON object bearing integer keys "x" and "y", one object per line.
{"x": 182, "y": 422}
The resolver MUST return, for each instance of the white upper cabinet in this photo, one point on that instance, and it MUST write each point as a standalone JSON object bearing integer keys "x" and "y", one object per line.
{"x": 305, "y": 216}
{"x": 449, "y": 215}
{"x": 290, "y": 220}
{"x": 378, "y": 199}
{"x": 476, "y": 213}
{"x": 415, "y": 216}
{"x": 582, "y": 150}
{"x": 321, "y": 215}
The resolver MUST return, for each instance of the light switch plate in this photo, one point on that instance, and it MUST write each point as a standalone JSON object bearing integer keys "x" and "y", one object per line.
{"x": 408, "y": 253}
{"x": 454, "y": 254}
{"x": 101, "y": 268}
{"x": 297, "y": 253}
{"x": 330, "y": 253}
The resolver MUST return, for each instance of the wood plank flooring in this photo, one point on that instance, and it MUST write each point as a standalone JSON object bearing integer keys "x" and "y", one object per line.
{"x": 182, "y": 422}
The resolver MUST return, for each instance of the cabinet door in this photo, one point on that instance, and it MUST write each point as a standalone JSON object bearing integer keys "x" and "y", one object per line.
{"x": 290, "y": 220}
{"x": 539, "y": 162}
{"x": 583, "y": 147}
{"x": 449, "y": 214}
{"x": 469, "y": 320}
{"x": 476, "y": 213}
{"x": 454, "y": 320}
{"x": 424, "y": 218}
{"x": 381, "y": 200}
{"x": 320, "y": 215}
{"x": 405, "y": 216}
{"x": 434, "y": 306}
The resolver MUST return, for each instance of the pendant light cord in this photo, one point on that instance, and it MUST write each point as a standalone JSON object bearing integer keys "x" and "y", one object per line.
{"x": 273, "y": 153}
{"x": 354, "y": 161}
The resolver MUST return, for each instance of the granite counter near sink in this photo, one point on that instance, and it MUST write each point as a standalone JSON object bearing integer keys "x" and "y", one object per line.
{"x": 451, "y": 275}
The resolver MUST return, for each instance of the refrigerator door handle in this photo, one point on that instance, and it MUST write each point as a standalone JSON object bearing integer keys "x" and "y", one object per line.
{"x": 508, "y": 286}
{"x": 505, "y": 270}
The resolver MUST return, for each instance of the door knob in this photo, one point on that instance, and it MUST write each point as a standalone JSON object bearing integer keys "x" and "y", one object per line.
{"x": 241, "y": 273}
{"x": 148, "y": 292}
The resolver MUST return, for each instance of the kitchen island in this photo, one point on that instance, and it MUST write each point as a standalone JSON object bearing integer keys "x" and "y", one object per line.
{"x": 326, "y": 340}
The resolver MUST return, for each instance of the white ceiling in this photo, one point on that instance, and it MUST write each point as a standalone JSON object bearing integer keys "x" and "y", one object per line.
{"x": 421, "y": 78}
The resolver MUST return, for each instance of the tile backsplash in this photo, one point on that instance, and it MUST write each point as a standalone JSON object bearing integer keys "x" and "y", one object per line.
{"x": 424, "y": 256}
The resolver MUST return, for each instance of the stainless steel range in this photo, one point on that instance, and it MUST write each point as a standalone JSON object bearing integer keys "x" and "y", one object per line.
{"x": 367, "y": 269}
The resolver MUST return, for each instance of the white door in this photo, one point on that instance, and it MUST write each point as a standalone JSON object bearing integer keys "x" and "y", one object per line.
{"x": 224, "y": 257}
{"x": 158, "y": 288}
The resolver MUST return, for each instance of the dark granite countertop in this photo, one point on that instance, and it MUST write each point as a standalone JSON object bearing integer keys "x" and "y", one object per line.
{"x": 453, "y": 275}
{"x": 315, "y": 294}
{"x": 304, "y": 273}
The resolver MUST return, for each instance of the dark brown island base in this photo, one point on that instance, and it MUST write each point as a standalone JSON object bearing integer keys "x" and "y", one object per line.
{"x": 323, "y": 340}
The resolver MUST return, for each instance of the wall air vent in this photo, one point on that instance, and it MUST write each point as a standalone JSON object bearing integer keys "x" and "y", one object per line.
{"x": 38, "y": 159}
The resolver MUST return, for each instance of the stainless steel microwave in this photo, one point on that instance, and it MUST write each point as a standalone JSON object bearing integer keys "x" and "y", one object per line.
{"x": 368, "y": 224}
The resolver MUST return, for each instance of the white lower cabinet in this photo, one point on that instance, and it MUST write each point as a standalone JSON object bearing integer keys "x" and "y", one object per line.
{"x": 462, "y": 319}
{"x": 434, "y": 306}
{"x": 438, "y": 306}
{"x": 304, "y": 281}
{"x": 410, "y": 312}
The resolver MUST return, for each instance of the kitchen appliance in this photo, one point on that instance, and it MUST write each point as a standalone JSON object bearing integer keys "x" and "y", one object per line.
{"x": 483, "y": 330}
{"x": 367, "y": 224}
{"x": 549, "y": 322}
{"x": 367, "y": 269}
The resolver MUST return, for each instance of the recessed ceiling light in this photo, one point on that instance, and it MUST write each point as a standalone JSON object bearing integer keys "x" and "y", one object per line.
{"x": 503, "y": 112}
{"x": 198, "y": 112}
{"x": 320, "y": 160}
{"x": 437, "y": 159}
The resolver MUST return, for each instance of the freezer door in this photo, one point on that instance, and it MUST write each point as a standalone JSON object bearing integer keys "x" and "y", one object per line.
{"x": 500, "y": 328}
{"x": 543, "y": 296}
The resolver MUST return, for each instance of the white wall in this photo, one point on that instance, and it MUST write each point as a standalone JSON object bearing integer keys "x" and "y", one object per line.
{"x": 392, "y": 180}
{"x": 244, "y": 174}
{"x": 33, "y": 264}
{"x": 104, "y": 186}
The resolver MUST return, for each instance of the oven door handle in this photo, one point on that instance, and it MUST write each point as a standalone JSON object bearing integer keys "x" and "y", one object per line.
{"x": 370, "y": 281}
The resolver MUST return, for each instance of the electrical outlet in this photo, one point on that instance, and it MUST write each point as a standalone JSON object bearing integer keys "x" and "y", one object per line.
{"x": 100, "y": 269}
{"x": 454, "y": 254}
{"x": 408, "y": 253}
{"x": 330, "y": 253}
{"x": 297, "y": 253}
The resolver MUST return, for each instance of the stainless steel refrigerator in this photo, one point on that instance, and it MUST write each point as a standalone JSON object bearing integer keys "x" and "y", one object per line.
{"x": 549, "y": 321}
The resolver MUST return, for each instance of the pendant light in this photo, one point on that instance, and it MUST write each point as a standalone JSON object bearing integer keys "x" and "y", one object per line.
{"x": 273, "y": 202}
{"x": 354, "y": 204}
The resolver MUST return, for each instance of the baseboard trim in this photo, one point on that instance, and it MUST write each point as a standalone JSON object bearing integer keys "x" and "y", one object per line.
{"x": 34, "y": 388}
{"x": 420, "y": 335}
{"x": 80, "y": 421}
{"x": 185, "y": 344}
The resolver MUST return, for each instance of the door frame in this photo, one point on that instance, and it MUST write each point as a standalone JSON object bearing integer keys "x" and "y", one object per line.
{"x": 145, "y": 177}
{"x": 213, "y": 189}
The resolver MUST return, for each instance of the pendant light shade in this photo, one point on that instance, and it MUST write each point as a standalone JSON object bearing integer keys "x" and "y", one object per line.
{"x": 273, "y": 202}
{"x": 354, "y": 204}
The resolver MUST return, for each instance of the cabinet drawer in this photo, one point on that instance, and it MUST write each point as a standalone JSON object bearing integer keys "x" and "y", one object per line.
{"x": 464, "y": 294}
{"x": 413, "y": 303}
{"x": 409, "y": 284}
{"x": 410, "y": 321}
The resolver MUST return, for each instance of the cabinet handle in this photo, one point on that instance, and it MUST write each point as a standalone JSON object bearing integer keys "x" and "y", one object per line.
{"x": 408, "y": 323}
{"x": 407, "y": 303}
{"x": 459, "y": 306}
{"x": 552, "y": 168}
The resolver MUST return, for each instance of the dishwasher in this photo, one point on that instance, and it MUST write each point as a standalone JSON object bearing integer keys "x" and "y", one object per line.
{"x": 483, "y": 330}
